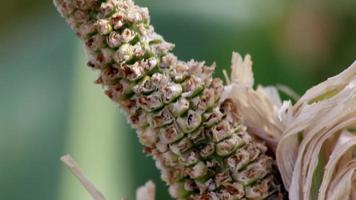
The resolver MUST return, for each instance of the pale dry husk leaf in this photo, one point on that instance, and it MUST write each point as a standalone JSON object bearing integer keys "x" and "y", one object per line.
{"x": 316, "y": 155}
{"x": 316, "y": 137}
{"x": 262, "y": 109}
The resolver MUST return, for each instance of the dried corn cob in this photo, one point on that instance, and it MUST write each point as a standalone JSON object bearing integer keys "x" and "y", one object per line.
{"x": 202, "y": 149}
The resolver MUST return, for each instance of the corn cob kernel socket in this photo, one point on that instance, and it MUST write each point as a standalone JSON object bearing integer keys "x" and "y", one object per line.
{"x": 203, "y": 151}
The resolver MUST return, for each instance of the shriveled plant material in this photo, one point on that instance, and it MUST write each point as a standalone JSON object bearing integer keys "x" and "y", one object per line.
{"x": 317, "y": 153}
{"x": 199, "y": 143}
{"x": 145, "y": 192}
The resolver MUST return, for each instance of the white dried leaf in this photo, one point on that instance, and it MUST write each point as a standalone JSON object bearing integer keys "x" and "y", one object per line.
{"x": 338, "y": 189}
{"x": 316, "y": 147}
{"x": 261, "y": 110}
{"x": 339, "y": 159}
{"x": 241, "y": 70}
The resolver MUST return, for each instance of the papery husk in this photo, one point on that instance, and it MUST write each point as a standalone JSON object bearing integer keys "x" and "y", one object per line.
{"x": 338, "y": 190}
{"x": 339, "y": 181}
{"x": 262, "y": 110}
{"x": 318, "y": 146}
{"x": 316, "y": 149}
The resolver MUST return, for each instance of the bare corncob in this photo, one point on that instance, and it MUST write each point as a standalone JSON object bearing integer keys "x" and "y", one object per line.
{"x": 202, "y": 149}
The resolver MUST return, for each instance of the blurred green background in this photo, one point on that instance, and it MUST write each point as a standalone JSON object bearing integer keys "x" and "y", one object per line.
{"x": 49, "y": 105}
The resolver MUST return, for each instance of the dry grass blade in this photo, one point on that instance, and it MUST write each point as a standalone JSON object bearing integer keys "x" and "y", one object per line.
{"x": 75, "y": 169}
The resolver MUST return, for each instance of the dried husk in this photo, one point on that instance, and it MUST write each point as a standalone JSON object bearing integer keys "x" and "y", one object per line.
{"x": 262, "y": 109}
{"x": 316, "y": 155}
{"x": 316, "y": 138}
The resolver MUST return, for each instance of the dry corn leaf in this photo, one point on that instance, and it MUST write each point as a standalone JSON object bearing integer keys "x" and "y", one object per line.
{"x": 316, "y": 140}
{"x": 262, "y": 109}
{"x": 319, "y": 141}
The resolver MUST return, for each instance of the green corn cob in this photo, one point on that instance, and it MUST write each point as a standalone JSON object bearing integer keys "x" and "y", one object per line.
{"x": 203, "y": 151}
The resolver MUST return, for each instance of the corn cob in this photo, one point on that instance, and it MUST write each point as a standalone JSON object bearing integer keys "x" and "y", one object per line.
{"x": 202, "y": 149}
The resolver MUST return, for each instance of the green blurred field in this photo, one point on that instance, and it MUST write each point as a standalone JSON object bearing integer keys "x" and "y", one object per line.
{"x": 49, "y": 105}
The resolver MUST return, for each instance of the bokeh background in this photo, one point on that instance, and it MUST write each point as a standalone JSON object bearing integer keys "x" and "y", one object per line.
{"x": 49, "y": 105}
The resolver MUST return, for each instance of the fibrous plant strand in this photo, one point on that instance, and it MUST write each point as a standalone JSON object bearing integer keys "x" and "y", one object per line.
{"x": 202, "y": 149}
{"x": 75, "y": 169}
